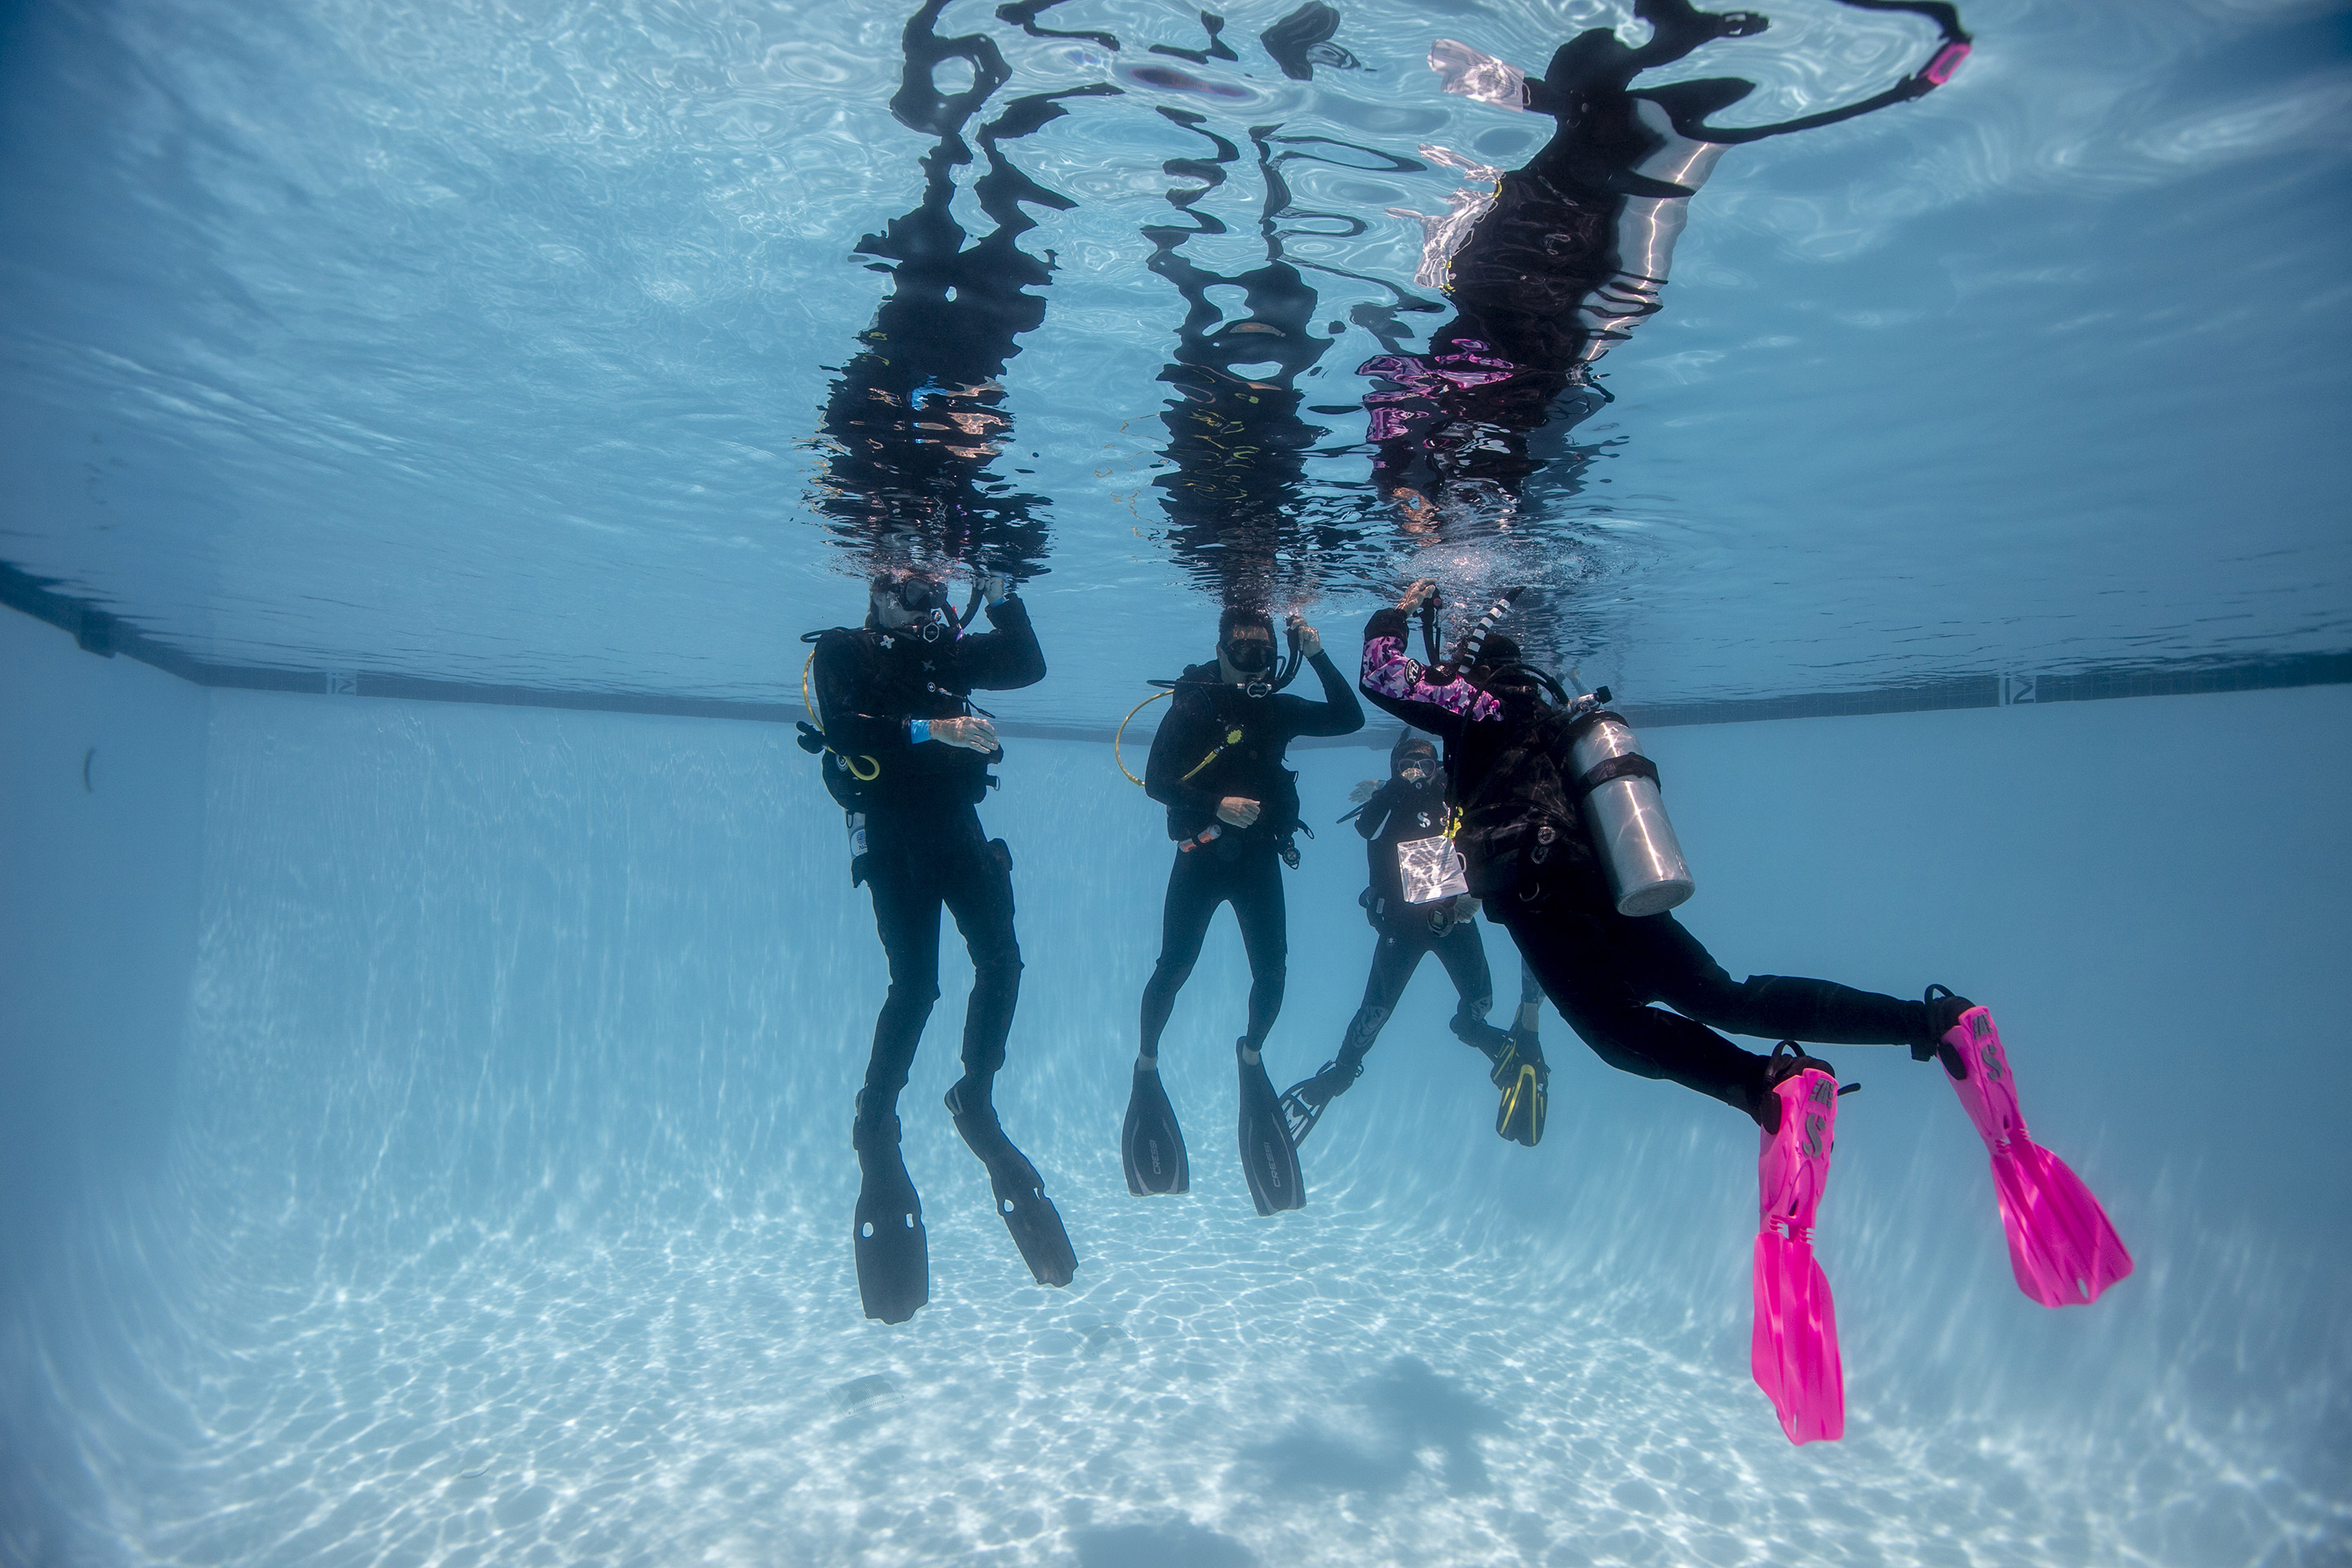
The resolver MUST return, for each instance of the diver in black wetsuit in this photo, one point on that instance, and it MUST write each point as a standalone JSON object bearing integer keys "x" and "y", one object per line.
{"x": 1523, "y": 837}
{"x": 1572, "y": 252}
{"x": 1232, "y": 808}
{"x": 911, "y": 755}
{"x": 1410, "y": 809}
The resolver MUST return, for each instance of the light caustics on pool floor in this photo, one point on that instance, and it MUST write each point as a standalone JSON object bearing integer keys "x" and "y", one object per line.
{"x": 1334, "y": 1388}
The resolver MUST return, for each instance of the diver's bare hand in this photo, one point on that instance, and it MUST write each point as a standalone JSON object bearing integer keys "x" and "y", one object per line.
{"x": 1238, "y": 810}
{"x": 992, "y": 588}
{"x": 973, "y": 735}
{"x": 1424, "y": 589}
{"x": 1310, "y": 641}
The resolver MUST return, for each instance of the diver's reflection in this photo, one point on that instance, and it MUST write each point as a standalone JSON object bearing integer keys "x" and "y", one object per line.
{"x": 1241, "y": 517}
{"x": 917, "y": 416}
{"x": 1572, "y": 252}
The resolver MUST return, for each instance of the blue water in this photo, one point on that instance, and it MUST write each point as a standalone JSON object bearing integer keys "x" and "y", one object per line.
{"x": 423, "y": 1127}
{"x": 482, "y": 1195}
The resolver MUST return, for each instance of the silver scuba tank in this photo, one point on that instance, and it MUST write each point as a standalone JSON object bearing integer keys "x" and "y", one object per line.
{"x": 1628, "y": 819}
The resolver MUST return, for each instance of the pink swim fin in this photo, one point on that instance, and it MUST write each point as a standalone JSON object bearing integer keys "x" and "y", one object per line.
{"x": 1794, "y": 1350}
{"x": 2060, "y": 1244}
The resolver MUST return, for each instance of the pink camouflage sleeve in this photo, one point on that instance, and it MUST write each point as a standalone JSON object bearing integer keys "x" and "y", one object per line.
{"x": 1389, "y": 671}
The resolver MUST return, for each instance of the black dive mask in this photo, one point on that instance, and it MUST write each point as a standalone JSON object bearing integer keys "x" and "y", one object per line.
{"x": 1251, "y": 655}
{"x": 1418, "y": 769}
{"x": 922, "y": 597}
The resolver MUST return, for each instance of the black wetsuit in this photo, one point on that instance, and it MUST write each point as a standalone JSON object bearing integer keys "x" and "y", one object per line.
{"x": 1399, "y": 812}
{"x": 925, "y": 847}
{"x": 1194, "y": 766}
{"x": 1523, "y": 836}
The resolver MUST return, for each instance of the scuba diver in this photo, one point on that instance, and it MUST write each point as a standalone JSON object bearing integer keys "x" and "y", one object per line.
{"x": 906, "y": 754}
{"x": 1527, "y": 783}
{"x": 1570, "y": 253}
{"x": 1232, "y": 809}
{"x": 1404, "y": 824}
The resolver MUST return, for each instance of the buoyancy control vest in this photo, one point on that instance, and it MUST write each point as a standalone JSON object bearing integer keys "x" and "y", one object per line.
{"x": 1521, "y": 832}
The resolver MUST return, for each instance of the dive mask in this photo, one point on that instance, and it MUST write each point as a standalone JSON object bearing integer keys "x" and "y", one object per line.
{"x": 923, "y": 598}
{"x": 1251, "y": 655}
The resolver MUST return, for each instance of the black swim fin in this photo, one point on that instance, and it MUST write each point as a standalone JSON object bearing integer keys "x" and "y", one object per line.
{"x": 1304, "y": 1102}
{"x": 1151, "y": 1146}
{"x": 894, "y": 1256}
{"x": 1021, "y": 1200}
{"x": 1269, "y": 1159}
{"x": 1521, "y": 1074}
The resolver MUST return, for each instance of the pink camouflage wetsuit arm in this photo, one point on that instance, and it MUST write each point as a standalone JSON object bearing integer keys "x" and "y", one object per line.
{"x": 1400, "y": 684}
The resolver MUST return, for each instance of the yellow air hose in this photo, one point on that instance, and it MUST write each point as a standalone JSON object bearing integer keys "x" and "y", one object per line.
{"x": 1122, "y": 730}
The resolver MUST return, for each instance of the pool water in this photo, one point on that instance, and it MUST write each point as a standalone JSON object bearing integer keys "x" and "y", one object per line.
{"x": 424, "y": 1124}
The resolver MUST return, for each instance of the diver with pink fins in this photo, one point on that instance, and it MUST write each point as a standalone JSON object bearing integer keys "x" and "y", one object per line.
{"x": 1565, "y": 840}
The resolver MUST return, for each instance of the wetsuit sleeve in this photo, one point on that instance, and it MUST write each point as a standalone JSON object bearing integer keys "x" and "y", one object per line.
{"x": 1400, "y": 684}
{"x": 1180, "y": 743}
{"x": 1003, "y": 660}
{"x": 1375, "y": 815}
{"x": 843, "y": 697}
{"x": 1338, "y": 714}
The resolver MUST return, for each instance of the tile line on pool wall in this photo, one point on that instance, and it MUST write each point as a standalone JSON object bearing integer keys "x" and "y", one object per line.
{"x": 102, "y": 632}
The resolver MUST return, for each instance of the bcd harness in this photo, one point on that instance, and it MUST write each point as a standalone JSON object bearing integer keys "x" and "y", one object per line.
{"x": 1286, "y": 847}
{"x": 1251, "y": 688}
{"x": 813, "y": 736}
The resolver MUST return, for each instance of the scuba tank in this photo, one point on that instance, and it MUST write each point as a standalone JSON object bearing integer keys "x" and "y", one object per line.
{"x": 1623, "y": 811}
{"x": 1617, "y": 784}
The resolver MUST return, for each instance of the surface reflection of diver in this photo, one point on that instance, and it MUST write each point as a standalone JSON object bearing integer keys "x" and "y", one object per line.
{"x": 907, "y": 756}
{"x": 1240, "y": 518}
{"x": 1572, "y": 252}
{"x": 1232, "y": 808}
{"x": 916, "y": 417}
{"x": 1419, "y": 904}
{"x": 1523, "y": 789}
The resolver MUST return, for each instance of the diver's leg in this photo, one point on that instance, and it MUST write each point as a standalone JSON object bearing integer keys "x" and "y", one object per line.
{"x": 979, "y": 892}
{"x": 1395, "y": 955}
{"x": 1193, "y": 897}
{"x": 890, "y": 1249}
{"x": 1679, "y": 973}
{"x": 1585, "y": 975}
{"x": 1268, "y": 1150}
{"x": 1530, "y": 1000}
{"x": 1465, "y": 957}
{"x": 1151, "y": 1142}
{"x": 1256, "y": 894}
{"x": 1394, "y": 958}
{"x": 905, "y": 895}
